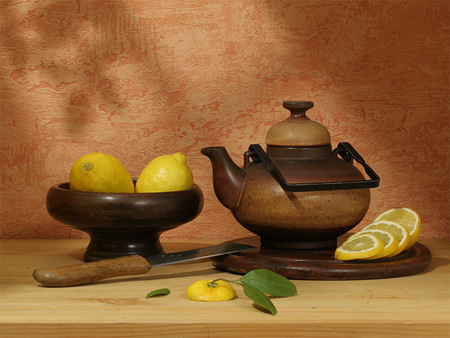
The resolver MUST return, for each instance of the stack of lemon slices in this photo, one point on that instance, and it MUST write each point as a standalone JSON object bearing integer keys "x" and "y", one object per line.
{"x": 388, "y": 235}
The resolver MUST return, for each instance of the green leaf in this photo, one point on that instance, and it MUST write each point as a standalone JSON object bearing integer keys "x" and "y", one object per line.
{"x": 270, "y": 282}
{"x": 159, "y": 292}
{"x": 259, "y": 298}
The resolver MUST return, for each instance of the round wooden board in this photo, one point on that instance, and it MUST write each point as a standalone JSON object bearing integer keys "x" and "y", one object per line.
{"x": 320, "y": 264}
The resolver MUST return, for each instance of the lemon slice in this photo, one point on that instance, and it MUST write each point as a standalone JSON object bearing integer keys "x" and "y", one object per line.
{"x": 362, "y": 246}
{"x": 389, "y": 240}
{"x": 406, "y": 217}
{"x": 395, "y": 229}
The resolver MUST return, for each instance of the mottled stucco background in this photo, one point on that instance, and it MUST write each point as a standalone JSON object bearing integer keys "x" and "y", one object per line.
{"x": 138, "y": 79}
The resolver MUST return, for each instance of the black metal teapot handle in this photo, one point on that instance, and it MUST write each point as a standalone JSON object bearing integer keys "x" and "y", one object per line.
{"x": 344, "y": 149}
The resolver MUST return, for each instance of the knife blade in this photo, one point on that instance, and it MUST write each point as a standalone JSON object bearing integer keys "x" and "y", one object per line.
{"x": 86, "y": 273}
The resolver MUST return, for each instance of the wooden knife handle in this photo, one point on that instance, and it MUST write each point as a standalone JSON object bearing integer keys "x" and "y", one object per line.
{"x": 86, "y": 273}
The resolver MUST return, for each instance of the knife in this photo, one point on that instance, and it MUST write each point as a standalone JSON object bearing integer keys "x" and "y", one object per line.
{"x": 86, "y": 273}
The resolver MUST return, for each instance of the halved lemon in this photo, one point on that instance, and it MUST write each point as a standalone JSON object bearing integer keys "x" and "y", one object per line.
{"x": 406, "y": 217}
{"x": 363, "y": 246}
{"x": 208, "y": 290}
{"x": 395, "y": 229}
{"x": 389, "y": 240}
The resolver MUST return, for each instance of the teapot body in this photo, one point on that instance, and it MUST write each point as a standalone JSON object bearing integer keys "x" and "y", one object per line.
{"x": 300, "y": 194}
{"x": 304, "y": 219}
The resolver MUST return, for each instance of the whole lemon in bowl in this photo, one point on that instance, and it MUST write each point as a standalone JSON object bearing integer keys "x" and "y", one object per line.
{"x": 98, "y": 172}
{"x": 165, "y": 173}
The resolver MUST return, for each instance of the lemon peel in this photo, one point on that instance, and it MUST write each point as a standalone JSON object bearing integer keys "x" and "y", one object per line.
{"x": 165, "y": 173}
{"x": 209, "y": 290}
{"x": 99, "y": 172}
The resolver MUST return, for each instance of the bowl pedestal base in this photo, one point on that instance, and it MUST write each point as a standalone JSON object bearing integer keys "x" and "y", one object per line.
{"x": 102, "y": 246}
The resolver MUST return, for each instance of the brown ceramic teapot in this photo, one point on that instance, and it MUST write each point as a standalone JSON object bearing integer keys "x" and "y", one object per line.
{"x": 301, "y": 194}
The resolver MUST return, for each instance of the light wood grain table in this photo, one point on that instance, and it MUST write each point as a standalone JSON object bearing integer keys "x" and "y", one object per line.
{"x": 413, "y": 306}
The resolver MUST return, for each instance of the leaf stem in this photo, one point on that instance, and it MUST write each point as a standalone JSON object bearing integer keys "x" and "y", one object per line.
{"x": 237, "y": 281}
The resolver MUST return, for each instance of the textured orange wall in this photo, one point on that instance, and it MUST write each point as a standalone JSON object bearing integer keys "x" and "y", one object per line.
{"x": 137, "y": 79}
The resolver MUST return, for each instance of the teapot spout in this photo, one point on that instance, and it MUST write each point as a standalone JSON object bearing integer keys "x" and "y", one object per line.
{"x": 228, "y": 178}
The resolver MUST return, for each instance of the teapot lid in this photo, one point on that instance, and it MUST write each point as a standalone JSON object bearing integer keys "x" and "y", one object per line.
{"x": 298, "y": 130}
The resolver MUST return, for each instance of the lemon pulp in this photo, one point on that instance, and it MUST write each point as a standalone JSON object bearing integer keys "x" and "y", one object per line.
{"x": 395, "y": 229}
{"x": 407, "y": 218}
{"x": 389, "y": 240}
{"x": 364, "y": 246}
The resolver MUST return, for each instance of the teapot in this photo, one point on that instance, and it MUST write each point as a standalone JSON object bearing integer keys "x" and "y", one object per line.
{"x": 299, "y": 193}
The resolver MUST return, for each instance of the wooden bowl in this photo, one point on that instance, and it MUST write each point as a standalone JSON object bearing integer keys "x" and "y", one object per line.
{"x": 121, "y": 224}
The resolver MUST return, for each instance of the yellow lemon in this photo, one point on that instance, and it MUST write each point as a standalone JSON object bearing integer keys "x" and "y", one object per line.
{"x": 363, "y": 246}
{"x": 389, "y": 240}
{"x": 98, "y": 172}
{"x": 208, "y": 290}
{"x": 165, "y": 173}
{"x": 406, "y": 217}
{"x": 394, "y": 228}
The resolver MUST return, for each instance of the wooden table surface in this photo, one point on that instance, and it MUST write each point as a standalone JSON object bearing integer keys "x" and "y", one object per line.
{"x": 413, "y": 306}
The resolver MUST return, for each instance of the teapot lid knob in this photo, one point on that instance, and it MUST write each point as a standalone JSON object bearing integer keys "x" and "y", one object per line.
{"x": 298, "y": 130}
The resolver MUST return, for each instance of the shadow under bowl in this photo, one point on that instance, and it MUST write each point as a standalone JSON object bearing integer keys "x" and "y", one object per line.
{"x": 121, "y": 224}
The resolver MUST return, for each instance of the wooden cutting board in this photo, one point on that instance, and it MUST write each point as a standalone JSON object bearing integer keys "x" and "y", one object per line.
{"x": 321, "y": 265}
